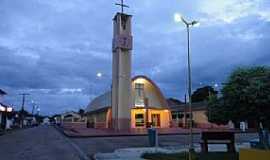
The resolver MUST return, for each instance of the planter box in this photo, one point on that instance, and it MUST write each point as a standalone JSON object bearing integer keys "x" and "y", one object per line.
{"x": 254, "y": 154}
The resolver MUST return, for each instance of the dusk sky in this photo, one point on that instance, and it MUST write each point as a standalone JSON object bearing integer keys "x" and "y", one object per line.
{"x": 53, "y": 49}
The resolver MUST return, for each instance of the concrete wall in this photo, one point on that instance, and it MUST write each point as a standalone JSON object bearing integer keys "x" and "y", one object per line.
{"x": 99, "y": 120}
{"x": 200, "y": 117}
{"x": 74, "y": 124}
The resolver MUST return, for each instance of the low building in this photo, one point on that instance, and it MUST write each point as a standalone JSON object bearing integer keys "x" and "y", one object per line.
{"x": 5, "y": 112}
{"x": 57, "y": 119}
{"x": 72, "y": 117}
{"x": 181, "y": 114}
{"x": 72, "y": 120}
{"x": 46, "y": 121}
{"x": 149, "y": 107}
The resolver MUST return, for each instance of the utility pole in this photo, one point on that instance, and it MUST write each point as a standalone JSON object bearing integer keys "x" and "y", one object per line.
{"x": 23, "y": 103}
{"x": 23, "y": 98}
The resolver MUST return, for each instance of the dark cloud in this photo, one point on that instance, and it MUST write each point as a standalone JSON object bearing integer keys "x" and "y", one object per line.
{"x": 53, "y": 49}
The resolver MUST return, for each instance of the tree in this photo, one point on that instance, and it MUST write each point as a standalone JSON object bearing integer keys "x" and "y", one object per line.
{"x": 202, "y": 94}
{"x": 81, "y": 112}
{"x": 245, "y": 97}
{"x": 174, "y": 101}
{"x": 216, "y": 112}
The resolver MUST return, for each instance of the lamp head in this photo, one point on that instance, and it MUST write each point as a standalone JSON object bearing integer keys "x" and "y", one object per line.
{"x": 99, "y": 74}
{"x": 195, "y": 23}
{"x": 177, "y": 17}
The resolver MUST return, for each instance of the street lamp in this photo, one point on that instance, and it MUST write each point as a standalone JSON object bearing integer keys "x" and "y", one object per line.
{"x": 34, "y": 106}
{"x": 178, "y": 18}
{"x": 99, "y": 74}
{"x": 38, "y": 111}
{"x": 97, "y": 77}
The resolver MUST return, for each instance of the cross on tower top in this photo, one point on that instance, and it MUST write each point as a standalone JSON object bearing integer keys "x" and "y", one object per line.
{"x": 122, "y": 5}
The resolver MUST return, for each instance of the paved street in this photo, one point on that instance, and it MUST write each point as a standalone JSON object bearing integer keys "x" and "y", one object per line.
{"x": 46, "y": 143}
{"x": 41, "y": 143}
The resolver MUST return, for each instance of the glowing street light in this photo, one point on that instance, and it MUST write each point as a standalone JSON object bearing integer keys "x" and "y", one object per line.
{"x": 38, "y": 111}
{"x": 99, "y": 74}
{"x": 5, "y": 112}
{"x": 9, "y": 109}
{"x": 2, "y": 108}
{"x": 5, "y": 109}
{"x": 178, "y": 18}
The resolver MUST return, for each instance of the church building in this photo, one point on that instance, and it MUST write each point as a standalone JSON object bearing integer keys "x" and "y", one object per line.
{"x": 132, "y": 102}
{"x": 149, "y": 107}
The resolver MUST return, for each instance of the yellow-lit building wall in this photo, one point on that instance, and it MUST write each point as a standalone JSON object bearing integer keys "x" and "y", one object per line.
{"x": 200, "y": 117}
{"x": 165, "y": 117}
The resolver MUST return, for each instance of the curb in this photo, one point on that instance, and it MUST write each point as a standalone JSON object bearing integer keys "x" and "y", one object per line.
{"x": 129, "y": 135}
{"x": 81, "y": 154}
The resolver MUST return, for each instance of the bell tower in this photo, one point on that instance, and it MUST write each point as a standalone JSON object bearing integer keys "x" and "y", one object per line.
{"x": 121, "y": 71}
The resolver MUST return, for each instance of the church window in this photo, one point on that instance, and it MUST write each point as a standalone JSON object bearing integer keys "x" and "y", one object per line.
{"x": 139, "y": 94}
{"x": 177, "y": 116}
{"x": 139, "y": 120}
{"x": 180, "y": 115}
{"x": 174, "y": 116}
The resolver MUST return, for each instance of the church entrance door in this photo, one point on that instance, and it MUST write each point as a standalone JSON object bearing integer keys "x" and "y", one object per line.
{"x": 155, "y": 120}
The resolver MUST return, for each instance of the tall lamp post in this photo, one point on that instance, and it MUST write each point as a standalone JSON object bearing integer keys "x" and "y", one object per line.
{"x": 179, "y": 18}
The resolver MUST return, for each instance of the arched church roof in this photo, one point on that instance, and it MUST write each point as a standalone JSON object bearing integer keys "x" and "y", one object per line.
{"x": 100, "y": 102}
{"x": 104, "y": 100}
{"x": 163, "y": 99}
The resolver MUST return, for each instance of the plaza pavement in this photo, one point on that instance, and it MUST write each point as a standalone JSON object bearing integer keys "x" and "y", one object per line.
{"x": 46, "y": 143}
{"x": 93, "y": 145}
{"x": 136, "y": 153}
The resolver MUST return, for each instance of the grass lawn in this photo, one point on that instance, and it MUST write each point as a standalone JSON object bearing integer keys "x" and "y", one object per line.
{"x": 198, "y": 156}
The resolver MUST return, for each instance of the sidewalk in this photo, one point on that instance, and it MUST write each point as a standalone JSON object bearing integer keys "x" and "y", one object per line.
{"x": 135, "y": 153}
{"x": 75, "y": 131}
{"x": 91, "y": 132}
{"x": 79, "y": 132}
